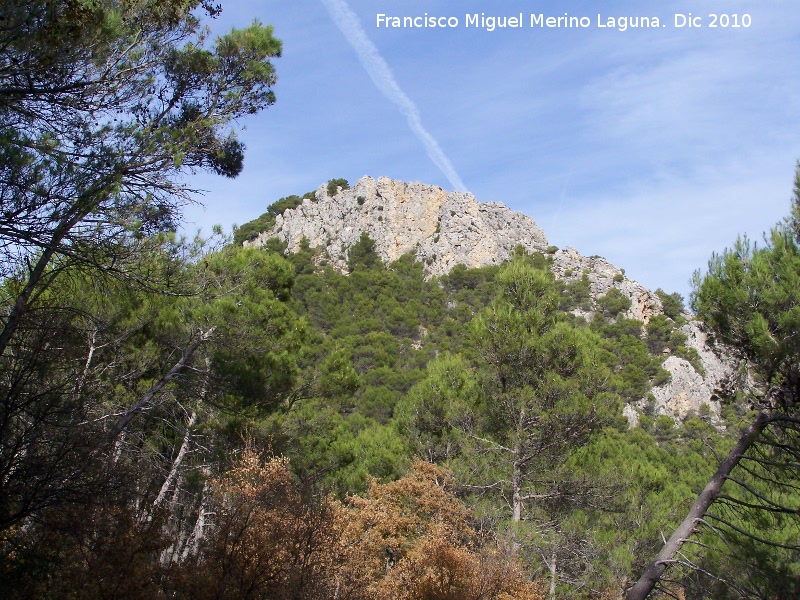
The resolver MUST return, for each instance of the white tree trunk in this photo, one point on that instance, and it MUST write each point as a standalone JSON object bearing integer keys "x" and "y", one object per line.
{"x": 516, "y": 498}
{"x": 192, "y": 548}
{"x": 176, "y": 464}
{"x": 87, "y": 365}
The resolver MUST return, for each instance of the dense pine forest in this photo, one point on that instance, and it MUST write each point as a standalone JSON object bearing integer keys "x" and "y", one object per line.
{"x": 201, "y": 418}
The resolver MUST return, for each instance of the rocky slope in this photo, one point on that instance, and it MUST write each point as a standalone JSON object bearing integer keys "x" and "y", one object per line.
{"x": 443, "y": 229}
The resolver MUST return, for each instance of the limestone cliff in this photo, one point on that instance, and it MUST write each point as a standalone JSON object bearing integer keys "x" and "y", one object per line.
{"x": 443, "y": 229}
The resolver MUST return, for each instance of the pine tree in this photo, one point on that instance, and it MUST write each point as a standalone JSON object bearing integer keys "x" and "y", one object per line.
{"x": 750, "y": 300}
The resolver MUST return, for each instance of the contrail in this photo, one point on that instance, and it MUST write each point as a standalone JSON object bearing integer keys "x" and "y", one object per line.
{"x": 380, "y": 73}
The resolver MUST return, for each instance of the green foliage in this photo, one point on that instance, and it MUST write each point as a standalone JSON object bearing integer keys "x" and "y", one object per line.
{"x": 279, "y": 206}
{"x": 634, "y": 469}
{"x": 613, "y": 303}
{"x": 304, "y": 260}
{"x": 577, "y": 294}
{"x": 335, "y": 184}
{"x": 663, "y": 336}
{"x": 526, "y": 391}
{"x": 634, "y": 369}
{"x": 746, "y": 545}
{"x": 78, "y": 180}
{"x": 430, "y": 413}
{"x": 118, "y": 400}
{"x": 259, "y": 336}
{"x": 659, "y": 334}
{"x": 352, "y": 376}
{"x": 106, "y": 107}
{"x": 338, "y": 378}
{"x": 750, "y": 297}
{"x": 252, "y": 229}
{"x": 672, "y": 304}
{"x": 362, "y": 255}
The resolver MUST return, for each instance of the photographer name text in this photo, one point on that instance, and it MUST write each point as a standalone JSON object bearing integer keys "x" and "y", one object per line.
{"x": 565, "y": 21}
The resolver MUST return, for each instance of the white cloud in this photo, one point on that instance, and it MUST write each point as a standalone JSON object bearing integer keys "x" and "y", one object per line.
{"x": 660, "y": 231}
{"x": 383, "y": 78}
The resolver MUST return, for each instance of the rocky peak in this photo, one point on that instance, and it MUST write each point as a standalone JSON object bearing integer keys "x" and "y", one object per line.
{"x": 442, "y": 229}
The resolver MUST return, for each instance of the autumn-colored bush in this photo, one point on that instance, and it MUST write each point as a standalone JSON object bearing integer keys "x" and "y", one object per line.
{"x": 404, "y": 540}
{"x": 265, "y": 538}
{"x": 411, "y": 539}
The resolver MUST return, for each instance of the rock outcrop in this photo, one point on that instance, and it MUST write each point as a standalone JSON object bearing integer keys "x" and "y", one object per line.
{"x": 687, "y": 391}
{"x": 443, "y": 229}
{"x": 570, "y": 266}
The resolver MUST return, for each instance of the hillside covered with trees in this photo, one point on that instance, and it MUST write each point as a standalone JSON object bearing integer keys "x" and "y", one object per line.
{"x": 192, "y": 418}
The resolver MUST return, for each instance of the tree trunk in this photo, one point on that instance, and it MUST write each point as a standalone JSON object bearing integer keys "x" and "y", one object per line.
{"x": 37, "y": 273}
{"x": 192, "y": 548}
{"x": 516, "y": 500}
{"x": 655, "y": 570}
{"x": 553, "y": 570}
{"x": 126, "y": 418}
{"x": 176, "y": 465}
{"x": 516, "y": 475}
{"x": 21, "y": 304}
{"x": 87, "y": 365}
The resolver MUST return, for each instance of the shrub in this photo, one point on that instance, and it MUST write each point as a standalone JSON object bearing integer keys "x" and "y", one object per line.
{"x": 412, "y": 539}
{"x": 577, "y": 294}
{"x": 659, "y": 331}
{"x": 613, "y": 303}
{"x": 279, "y": 206}
{"x": 362, "y": 254}
{"x": 267, "y": 539}
{"x": 672, "y": 303}
{"x": 662, "y": 376}
{"x": 252, "y": 229}
{"x": 335, "y": 184}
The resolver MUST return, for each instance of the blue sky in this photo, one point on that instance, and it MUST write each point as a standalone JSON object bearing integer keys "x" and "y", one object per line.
{"x": 650, "y": 147}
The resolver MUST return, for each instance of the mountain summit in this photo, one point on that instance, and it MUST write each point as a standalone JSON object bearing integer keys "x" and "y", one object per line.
{"x": 442, "y": 229}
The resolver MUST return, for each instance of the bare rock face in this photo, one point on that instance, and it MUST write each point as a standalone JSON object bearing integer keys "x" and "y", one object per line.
{"x": 442, "y": 229}
{"x": 570, "y": 266}
{"x": 689, "y": 390}
{"x": 686, "y": 392}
